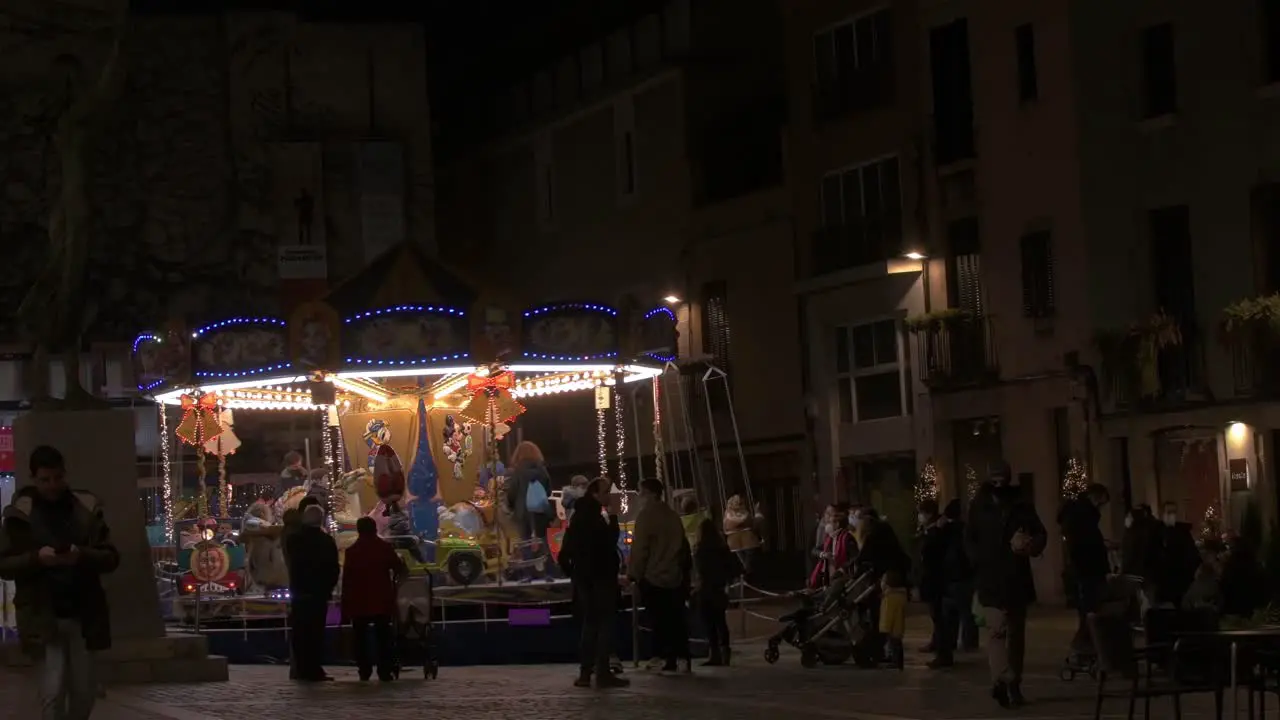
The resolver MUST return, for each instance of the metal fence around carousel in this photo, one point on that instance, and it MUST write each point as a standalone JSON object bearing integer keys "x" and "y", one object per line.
{"x": 743, "y": 598}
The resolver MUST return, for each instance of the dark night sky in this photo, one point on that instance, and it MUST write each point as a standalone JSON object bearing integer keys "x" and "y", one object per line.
{"x": 473, "y": 45}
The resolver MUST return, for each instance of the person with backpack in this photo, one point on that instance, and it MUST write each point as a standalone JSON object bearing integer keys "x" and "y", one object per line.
{"x": 529, "y": 500}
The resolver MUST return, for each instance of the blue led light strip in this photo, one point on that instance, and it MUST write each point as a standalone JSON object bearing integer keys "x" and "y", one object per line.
{"x": 144, "y": 337}
{"x": 411, "y": 362}
{"x": 661, "y": 311}
{"x": 571, "y": 358}
{"x": 239, "y": 321}
{"x": 436, "y": 309}
{"x": 243, "y": 373}
{"x": 596, "y": 307}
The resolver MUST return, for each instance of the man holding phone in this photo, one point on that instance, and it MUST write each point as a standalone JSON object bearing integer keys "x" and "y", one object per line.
{"x": 55, "y": 546}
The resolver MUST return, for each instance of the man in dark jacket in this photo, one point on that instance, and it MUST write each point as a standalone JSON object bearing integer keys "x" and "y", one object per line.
{"x": 1087, "y": 553}
{"x": 941, "y": 551}
{"x": 313, "y": 573}
{"x": 589, "y": 556}
{"x": 1002, "y": 535}
{"x": 54, "y": 547}
{"x": 1179, "y": 558}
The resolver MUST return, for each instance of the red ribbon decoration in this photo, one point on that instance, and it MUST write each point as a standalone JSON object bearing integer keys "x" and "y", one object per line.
{"x": 501, "y": 381}
{"x": 199, "y": 419}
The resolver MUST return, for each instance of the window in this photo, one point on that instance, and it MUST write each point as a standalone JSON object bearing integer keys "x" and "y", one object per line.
{"x": 1037, "y": 275}
{"x": 952, "y": 89}
{"x": 592, "y": 67}
{"x": 964, "y": 261}
{"x": 853, "y": 62}
{"x": 715, "y": 324}
{"x": 1270, "y": 26}
{"x": 1028, "y": 83}
{"x": 865, "y": 204}
{"x": 628, "y": 167}
{"x": 1159, "y": 76}
{"x": 545, "y": 180}
{"x": 870, "y": 382}
{"x": 1172, "y": 264}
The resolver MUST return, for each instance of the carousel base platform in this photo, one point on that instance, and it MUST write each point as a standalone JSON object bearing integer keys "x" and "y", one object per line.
{"x": 515, "y": 623}
{"x": 178, "y": 657}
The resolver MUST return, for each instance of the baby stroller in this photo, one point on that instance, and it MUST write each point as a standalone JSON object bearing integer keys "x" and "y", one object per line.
{"x": 831, "y": 625}
{"x": 1121, "y": 595}
{"x": 415, "y": 636}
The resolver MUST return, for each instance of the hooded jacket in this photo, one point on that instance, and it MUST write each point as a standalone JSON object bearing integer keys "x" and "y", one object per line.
{"x": 19, "y": 562}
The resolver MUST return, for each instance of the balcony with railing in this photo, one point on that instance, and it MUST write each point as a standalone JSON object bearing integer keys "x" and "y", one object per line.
{"x": 955, "y": 349}
{"x": 1251, "y": 330}
{"x": 1155, "y": 364}
{"x": 857, "y": 91}
{"x": 861, "y": 242}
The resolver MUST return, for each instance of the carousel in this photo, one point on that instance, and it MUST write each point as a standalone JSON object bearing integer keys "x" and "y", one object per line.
{"x": 416, "y": 389}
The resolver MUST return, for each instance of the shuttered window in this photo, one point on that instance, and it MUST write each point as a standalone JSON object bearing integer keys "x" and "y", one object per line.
{"x": 715, "y": 323}
{"x": 1038, "y": 299}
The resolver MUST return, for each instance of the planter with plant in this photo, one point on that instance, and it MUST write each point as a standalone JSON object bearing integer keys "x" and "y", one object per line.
{"x": 1131, "y": 357}
{"x": 1250, "y": 328}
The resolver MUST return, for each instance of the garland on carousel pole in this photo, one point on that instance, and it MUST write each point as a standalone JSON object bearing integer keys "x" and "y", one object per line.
{"x": 200, "y": 424}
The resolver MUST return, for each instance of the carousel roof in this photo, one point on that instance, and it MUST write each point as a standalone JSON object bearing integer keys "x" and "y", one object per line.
{"x": 401, "y": 275}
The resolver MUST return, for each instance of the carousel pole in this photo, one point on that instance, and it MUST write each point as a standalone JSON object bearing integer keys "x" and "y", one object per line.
{"x": 635, "y": 418}
{"x": 492, "y": 448}
{"x": 167, "y": 477}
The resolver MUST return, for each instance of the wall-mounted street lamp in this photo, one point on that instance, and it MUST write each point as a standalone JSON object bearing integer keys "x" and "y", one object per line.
{"x": 924, "y": 273}
{"x": 671, "y": 299}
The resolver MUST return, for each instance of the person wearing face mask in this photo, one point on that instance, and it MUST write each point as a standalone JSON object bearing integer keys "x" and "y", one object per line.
{"x": 1003, "y": 533}
{"x": 1087, "y": 549}
{"x": 838, "y": 548}
{"x": 1178, "y": 558}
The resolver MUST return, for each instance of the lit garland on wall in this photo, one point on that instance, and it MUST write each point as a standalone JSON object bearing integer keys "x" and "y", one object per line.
{"x": 602, "y": 446}
{"x": 1075, "y": 481}
{"x": 620, "y": 438}
{"x": 168, "y": 483}
{"x": 330, "y": 477}
{"x": 927, "y": 484}
{"x": 1211, "y": 530}
{"x": 971, "y": 480}
{"x": 659, "y": 453}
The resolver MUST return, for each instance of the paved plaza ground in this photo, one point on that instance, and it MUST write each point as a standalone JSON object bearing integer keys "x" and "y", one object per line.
{"x": 747, "y": 691}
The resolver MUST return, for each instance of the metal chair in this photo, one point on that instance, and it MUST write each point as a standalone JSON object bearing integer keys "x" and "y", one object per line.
{"x": 1119, "y": 657}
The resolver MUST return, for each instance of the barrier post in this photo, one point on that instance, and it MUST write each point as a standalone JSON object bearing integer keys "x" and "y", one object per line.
{"x": 742, "y": 608}
{"x": 635, "y": 625}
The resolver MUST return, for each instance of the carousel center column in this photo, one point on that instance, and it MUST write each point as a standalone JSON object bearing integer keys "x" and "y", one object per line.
{"x": 100, "y": 450}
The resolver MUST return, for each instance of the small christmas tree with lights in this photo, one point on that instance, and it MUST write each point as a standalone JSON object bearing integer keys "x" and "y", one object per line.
{"x": 1075, "y": 481}
{"x": 1211, "y": 527}
{"x": 926, "y": 487}
{"x": 971, "y": 480}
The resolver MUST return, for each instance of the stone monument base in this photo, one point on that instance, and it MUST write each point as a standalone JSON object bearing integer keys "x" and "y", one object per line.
{"x": 174, "y": 658}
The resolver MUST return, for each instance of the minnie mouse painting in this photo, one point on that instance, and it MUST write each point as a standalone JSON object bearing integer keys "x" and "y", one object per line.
{"x": 458, "y": 444}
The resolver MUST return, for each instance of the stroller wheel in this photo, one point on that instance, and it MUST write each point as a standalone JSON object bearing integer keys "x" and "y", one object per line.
{"x": 771, "y": 654}
{"x": 808, "y": 658}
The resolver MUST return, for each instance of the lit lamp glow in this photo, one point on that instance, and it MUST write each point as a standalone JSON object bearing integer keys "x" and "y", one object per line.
{"x": 914, "y": 255}
{"x": 671, "y": 299}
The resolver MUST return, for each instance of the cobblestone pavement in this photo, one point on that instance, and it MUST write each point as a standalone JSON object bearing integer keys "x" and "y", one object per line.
{"x": 747, "y": 691}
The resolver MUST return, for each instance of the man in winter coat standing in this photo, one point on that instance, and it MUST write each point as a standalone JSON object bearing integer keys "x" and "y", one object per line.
{"x": 55, "y": 546}
{"x": 373, "y": 569}
{"x": 661, "y": 564}
{"x": 589, "y": 556}
{"x": 313, "y": 573}
{"x": 1002, "y": 535}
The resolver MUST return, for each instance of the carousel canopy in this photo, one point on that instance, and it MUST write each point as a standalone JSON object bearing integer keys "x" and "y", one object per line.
{"x": 407, "y": 316}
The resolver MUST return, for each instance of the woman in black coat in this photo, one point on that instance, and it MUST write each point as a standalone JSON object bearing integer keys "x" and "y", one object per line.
{"x": 717, "y": 566}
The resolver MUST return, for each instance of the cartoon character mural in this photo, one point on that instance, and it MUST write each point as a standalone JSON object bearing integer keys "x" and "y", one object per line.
{"x": 458, "y": 444}
{"x": 424, "y": 482}
{"x": 377, "y": 435}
